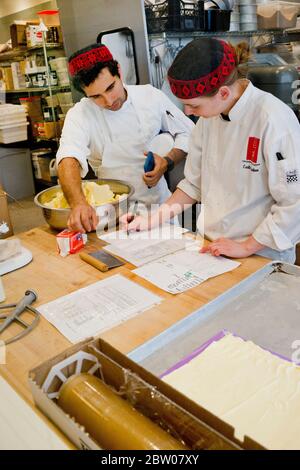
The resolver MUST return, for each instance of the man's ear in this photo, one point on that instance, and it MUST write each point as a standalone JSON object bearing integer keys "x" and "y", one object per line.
{"x": 224, "y": 92}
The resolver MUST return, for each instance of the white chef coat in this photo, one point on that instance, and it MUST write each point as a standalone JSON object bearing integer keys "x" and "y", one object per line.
{"x": 114, "y": 142}
{"x": 244, "y": 187}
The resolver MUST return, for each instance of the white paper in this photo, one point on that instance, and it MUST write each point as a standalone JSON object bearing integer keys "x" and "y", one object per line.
{"x": 98, "y": 307}
{"x": 163, "y": 232}
{"x": 139, "y": 248}
{"x": 141, "y": 252}
{"x": 183, "y": 270}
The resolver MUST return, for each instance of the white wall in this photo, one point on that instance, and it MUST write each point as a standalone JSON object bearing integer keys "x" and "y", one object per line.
{"x": 9, "y": 7}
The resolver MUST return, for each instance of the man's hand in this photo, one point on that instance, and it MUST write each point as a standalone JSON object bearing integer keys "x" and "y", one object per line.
{"x": 83, "y": 218}
{"x": 160, "y": 167}
{"x": 137, "y": 224}
{"x": 232, "y": 248}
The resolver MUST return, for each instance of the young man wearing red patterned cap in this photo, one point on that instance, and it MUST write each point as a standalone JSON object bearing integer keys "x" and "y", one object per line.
{"x": 112, "y": 128}
{"x": 243, "y": 162}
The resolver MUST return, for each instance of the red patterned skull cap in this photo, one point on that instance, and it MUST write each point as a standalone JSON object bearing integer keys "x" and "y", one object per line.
{"x": 87, "y": 59}
{"x": 188, "y": 89}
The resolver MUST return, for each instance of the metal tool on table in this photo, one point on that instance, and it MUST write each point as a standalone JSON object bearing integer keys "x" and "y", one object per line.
{"x": 101, "y": 260}
{"x": 149, "y": 163}
{"x": 15, "y": 316}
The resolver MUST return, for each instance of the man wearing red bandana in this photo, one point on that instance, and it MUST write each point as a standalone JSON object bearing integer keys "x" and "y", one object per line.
{"x": 111, "y": 129}
{"x": 243, "y": 163}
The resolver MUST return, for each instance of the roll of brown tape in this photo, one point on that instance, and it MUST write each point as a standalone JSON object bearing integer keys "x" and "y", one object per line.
{"x": 109, "y": 419}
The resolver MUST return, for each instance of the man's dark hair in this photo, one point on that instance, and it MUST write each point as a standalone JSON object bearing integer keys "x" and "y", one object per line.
{"x": 85, "y": 77}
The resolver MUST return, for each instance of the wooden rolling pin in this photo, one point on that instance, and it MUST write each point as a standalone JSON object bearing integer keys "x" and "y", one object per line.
{"x": 94, "y": 262}
{"x": 109, "y": 419}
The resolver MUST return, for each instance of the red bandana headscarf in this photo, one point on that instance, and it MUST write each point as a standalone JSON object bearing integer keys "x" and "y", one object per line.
{"x": 188, "y": 89}
{"x": 87, "y": 59}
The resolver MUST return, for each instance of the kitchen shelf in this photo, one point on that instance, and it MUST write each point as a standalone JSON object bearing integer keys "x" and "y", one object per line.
{"x": 20, "y": 52}
{"x": 37, "y": 89}
{"x": 184, "y": 34}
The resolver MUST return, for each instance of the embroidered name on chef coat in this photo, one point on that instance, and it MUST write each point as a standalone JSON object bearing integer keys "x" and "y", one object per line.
{"x": 252, "y": 155}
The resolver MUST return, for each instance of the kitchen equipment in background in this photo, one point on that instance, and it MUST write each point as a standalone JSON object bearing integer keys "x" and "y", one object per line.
{"x": 15, "y": 316}
{"x": 276, "y": 80}
{"x": 121, "y": 43}
{"x": 248, "y": 15}
{"x": 217, "y": 15}
{"x": 42, "y": 161}
{"x": 59, "y": 64}
{"x": 60, "y": 67}
{"x": 58, "y": 218}
{"x": 65, "y": 101}
{"x": 277, "y": 14}
{"x": 235, "y": 18}
{"x": 16, "y": 172}
{"x": 217, "y": 20}
{"x": 175, "y": 15}
{"x": 222, "y": 4}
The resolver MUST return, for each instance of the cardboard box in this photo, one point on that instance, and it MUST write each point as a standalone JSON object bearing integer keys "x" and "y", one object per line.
{"x": 18, "y": 35}
{"x": 34, "y": 35}
{"x": 6, "y": 229}
{"x": 198, "y": 428}
{"x": 6, "y": 78}
{"x": 48, "y": 130}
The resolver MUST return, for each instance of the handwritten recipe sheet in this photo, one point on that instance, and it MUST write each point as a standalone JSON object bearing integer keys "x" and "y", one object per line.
{"x": 183, "y": 270}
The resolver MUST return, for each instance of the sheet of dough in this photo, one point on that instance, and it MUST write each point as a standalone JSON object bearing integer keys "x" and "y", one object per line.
{"x": 248, "y": 387}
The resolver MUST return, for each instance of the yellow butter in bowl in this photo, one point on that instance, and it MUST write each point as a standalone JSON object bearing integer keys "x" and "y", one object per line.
{"x": 95, "y": 195}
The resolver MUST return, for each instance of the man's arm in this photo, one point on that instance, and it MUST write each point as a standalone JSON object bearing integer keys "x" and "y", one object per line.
{"x": 83, "y": 217}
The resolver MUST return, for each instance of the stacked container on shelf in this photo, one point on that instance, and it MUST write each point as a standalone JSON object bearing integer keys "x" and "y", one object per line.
{"x": 13, "y": 123}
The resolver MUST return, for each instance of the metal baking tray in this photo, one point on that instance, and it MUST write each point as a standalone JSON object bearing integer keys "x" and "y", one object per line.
{"x": 263, "y": 308}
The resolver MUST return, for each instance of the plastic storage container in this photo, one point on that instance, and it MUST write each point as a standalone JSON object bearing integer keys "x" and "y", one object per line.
{"x": 63, "y": 77}
{"x": 42, "y": 161}
{"x": 59, "y": 64}
{"x": 277, "y": 15}
{"x": 65, "y": 98}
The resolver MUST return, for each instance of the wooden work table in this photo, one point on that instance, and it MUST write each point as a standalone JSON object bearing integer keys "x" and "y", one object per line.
{"x": 52, "y": 276}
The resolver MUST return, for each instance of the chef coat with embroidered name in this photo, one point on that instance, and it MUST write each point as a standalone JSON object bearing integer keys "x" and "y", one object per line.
{"x": 246, "y": 173}
{"x": 114, "y": 142}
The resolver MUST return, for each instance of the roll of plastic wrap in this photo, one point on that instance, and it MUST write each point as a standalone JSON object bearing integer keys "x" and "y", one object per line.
{"x": 109, "y": 419}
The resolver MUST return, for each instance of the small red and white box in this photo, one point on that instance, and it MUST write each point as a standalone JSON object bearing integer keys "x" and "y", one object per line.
{"x": 70, "y": 242}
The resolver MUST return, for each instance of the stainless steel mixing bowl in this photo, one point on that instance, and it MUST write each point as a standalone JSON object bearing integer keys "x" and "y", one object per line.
{"x": 109, "y": 213}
